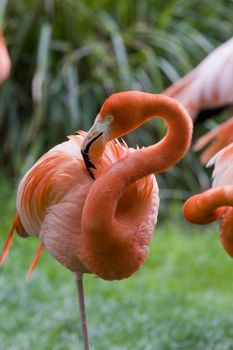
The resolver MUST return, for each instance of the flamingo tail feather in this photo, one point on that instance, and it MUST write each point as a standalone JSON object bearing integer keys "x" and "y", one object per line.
{"x": 8, "y": 241}
{"x": 35, "y": 261}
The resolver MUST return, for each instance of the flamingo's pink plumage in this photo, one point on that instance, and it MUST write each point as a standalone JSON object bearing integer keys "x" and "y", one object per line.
{"x": 209, "y": 85}
{"x": 217, "y": 202}
{"x": 215, "y": 140}
{"x": 5, "y": 63}
{"x": 98, "y": 216}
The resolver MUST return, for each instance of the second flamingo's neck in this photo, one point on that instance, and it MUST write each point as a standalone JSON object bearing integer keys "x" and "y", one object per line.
{"x": 208, "y": 206}
{"x": 211, "y": 205}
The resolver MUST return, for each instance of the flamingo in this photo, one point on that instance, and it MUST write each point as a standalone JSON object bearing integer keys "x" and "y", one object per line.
{"x": 216, "y": 139}
{"x": 209, "y": 85}
{"x": 5, "y": 63}
{"x": 216, "y": 203}
{"x": 98, "y": 215}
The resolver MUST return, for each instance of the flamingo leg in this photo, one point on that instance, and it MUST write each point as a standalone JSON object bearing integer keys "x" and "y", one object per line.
{"x": 35, "y": 261}
{"x": 79, "y": 285}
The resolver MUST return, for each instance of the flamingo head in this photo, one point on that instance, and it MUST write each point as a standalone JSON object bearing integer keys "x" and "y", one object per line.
{"x": 120, "y": 114}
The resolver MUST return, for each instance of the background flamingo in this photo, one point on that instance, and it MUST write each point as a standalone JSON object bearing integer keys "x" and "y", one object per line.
{"x": 104, "y": 226}
{"x": 5, "y": 63}
{"x": 209, "y": 85}
{"x": 216, "y": 203}
{"x": 215, "y": 140}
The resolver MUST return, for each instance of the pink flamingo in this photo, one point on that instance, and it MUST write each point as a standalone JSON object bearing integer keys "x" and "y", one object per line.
{"x": 216, "y": 203}
{"x": 101, "y": 226}
{"x": 5, "y": 63}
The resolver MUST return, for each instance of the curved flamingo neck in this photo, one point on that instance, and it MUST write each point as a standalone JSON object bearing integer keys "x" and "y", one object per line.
{"x": 102, "y": 230}
{"x": 138, "y": 107}
{"x": 211, "y": 205}
{"x": 226, "y": 228}
{"x": 208, "y": 206}
{"x": 154, "y": 159}
{"x": 166, "y": 153}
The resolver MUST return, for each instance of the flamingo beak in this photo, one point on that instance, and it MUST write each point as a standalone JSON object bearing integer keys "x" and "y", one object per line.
{"x": 95, "y": 140}
{"x": 92, "y": 144}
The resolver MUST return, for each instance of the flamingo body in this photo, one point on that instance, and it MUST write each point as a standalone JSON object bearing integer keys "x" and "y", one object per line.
{"x": 103, "y": 226}
{"x": 52, "y": 194}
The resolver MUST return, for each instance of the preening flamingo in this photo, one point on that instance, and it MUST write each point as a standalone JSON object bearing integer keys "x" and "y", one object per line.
{"x": 216, "y": 203}
{"x": 215, "y": 140}
{"x": 98, "y": 216}
{"x": 209, "y": 85}
{"x": 5, "y": 63}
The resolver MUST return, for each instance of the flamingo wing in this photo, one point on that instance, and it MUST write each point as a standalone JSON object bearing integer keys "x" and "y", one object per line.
{"x": 216, "y": 139}
{"x": 209, "y": 85}
{"x": 223, "y": 170}
{"x": 46, "y": 183}
{"x": 61, "y": 228}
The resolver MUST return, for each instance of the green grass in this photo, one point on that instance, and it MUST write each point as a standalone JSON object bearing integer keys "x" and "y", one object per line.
{"x": 181, "y": 298}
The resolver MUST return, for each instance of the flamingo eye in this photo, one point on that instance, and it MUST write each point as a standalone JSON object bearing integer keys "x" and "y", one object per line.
{"x": 109, "y": 119}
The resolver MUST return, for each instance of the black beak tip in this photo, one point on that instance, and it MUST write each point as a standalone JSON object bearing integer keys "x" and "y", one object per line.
{"x": 85, "y": 155}
{"x": 88, "y": 163}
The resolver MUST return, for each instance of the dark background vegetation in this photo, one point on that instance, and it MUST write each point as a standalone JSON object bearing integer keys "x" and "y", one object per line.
{"x": 69, "y": 55}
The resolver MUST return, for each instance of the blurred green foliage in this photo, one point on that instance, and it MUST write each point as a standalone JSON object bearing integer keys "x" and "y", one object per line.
{"x": 69, "y": 55}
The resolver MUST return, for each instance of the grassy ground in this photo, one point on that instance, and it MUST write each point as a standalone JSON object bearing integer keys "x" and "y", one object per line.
{"x": 181, "y": 298}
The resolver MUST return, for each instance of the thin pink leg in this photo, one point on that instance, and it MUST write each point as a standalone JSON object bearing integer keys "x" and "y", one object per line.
{"x": 79, "y": 285}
